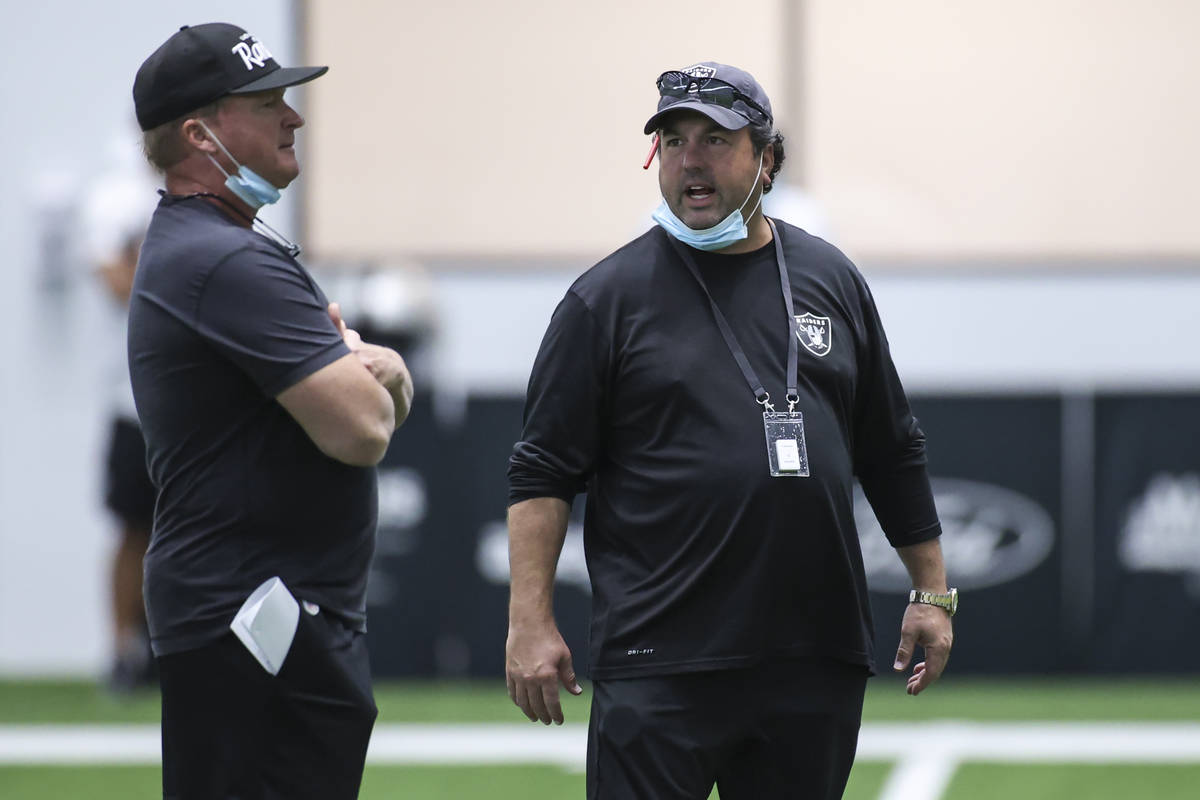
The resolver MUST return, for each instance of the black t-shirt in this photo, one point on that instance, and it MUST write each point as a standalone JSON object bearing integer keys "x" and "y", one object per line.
{"x": 221, "y": 321}
{"x": 699, "y": 559}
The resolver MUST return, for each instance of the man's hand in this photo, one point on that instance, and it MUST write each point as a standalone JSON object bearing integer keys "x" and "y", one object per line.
{"x": 385, "y": 364}
{"x": 929, "y": 627}
{"x": 349, "y": 335}
{"x": 536, "y": 659}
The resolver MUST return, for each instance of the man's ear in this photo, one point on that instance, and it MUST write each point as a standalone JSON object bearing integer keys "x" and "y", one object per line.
{"x": 768, "y": 162}
{"x": 195, "y": 135}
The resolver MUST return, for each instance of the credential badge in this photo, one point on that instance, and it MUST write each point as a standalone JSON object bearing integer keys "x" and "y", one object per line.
{"x": 815, "y": 333}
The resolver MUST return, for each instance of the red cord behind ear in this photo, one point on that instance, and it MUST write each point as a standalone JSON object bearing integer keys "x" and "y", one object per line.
{"x": 653, "y": 150}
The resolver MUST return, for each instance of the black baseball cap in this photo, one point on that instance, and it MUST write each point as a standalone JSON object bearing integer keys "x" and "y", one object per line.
{"x": 727, "y": 95}
{"x": 201, "y": 63}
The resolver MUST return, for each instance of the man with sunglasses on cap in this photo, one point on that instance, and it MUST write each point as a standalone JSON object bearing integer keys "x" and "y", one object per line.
{"x": 264, "y": 416}
{"x": 715, "y": 386}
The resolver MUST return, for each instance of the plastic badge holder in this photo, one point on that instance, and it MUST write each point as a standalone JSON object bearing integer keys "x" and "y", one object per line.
{"x": 786, "y": 451}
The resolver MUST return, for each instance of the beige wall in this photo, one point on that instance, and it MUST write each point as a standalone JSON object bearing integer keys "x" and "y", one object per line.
{"x": 931, "y": 129}
{"x": 1024, "y": 127}
{"x": 464, "y": 127}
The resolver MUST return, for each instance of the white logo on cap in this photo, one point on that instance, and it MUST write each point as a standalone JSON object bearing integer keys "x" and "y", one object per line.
{"x": 253, "y": 53}
{"x": 700, "y": 71}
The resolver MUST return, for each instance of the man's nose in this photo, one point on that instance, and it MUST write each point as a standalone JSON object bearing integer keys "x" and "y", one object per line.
{"x": 693, "y": 156}
{"x": 293, "y": 119}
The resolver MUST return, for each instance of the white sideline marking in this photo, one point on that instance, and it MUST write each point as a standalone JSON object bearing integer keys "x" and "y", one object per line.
{"x": 926, "y": 753}
{"x": 484, "y": 743}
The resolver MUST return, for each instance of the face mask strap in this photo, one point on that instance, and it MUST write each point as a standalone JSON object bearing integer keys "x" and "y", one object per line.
{"x": 756, "y": 180}
{"x": 228, "y": 154}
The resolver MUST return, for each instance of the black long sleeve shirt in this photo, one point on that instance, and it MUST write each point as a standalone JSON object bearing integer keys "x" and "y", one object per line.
{"x": 699, "y": 559}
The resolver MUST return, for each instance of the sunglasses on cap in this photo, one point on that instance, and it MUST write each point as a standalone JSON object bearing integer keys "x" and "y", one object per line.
{"x": 674, "y": 83}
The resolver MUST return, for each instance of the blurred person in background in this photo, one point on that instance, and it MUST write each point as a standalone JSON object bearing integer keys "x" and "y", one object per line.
{"x": 116, "y": 210}
{"x": 731, "y": 635}
{"x": 264, "y": 418}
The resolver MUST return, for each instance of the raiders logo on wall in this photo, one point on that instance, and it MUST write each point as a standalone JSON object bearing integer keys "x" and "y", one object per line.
{"x": 815, "y": 333}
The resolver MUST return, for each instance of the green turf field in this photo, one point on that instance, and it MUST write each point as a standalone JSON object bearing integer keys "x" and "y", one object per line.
{"x": 1093, "y": 702}
{"x": 1155, "y": 699}
{"x": 379, "y": 783}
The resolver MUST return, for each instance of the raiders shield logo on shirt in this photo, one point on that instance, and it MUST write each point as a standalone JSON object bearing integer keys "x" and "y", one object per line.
{"x": 815, "y": 333}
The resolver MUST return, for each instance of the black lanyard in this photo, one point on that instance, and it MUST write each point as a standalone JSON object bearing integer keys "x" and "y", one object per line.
{"x": 273, "y": 236}
{"x": 761, "y": 396}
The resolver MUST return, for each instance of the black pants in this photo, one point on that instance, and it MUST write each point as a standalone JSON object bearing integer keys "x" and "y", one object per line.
{"x": 786, "y": 729}
{"x": 231, "y": 730}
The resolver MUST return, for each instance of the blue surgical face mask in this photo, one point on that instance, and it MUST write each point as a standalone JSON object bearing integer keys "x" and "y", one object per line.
{"x": 724, "y": 233}
{"x": 250, "y": 187}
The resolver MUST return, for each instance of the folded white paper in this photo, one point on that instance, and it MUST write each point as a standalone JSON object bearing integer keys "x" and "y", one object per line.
{"x": 266, "y": 623}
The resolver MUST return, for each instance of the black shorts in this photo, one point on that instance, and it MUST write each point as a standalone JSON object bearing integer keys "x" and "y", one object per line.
{"x": 784, "y": 729}
{"x": 128, "y": 492}
{"x": 230, "y": 729}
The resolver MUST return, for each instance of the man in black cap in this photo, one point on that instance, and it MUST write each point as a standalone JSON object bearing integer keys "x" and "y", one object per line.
{"x": 264, "y": 416}
{"x": 715, "y": 386}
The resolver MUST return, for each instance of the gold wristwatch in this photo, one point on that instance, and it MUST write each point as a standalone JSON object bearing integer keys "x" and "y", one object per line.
{"x": 948, "y": 601}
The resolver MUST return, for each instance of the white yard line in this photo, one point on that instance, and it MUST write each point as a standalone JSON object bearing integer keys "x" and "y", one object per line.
{"x": 79, "y": 744}
{"x": 1079, "y": 742}
{"x": 920, "y": 775}
{"x": 390, "y": 744}
{"x": 926, "y": 753}
{"x": 482, "y": 743}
